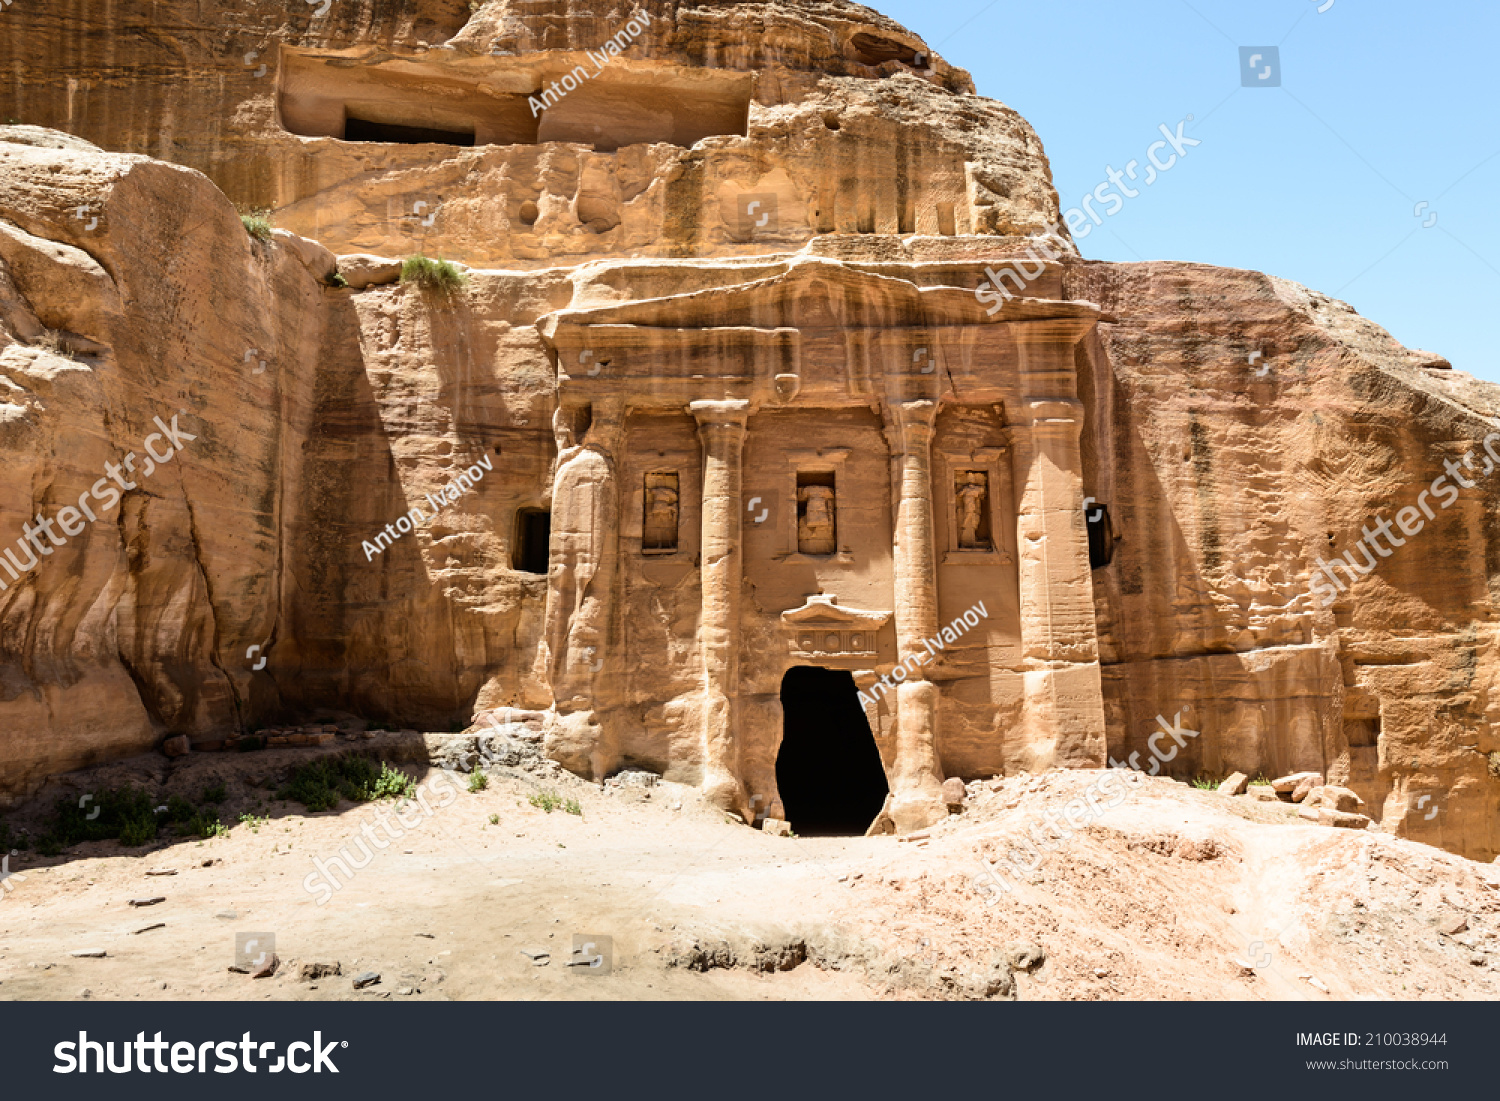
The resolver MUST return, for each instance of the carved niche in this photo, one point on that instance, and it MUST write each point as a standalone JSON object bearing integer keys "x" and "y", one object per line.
{"x": 659, "y": 522}
{"x": 816, "y": 525}
{"x": 971, "y": 501}
{"x": 973, "y": 483}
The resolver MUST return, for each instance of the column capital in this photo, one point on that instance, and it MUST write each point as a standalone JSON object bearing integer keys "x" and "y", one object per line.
{"x": 919, "y": 413}
{"x": 1052, "y": 416}
{"x": 909, "y": 424}
{"x": 730, "y": 411}
{"x": 1052, "y": 408}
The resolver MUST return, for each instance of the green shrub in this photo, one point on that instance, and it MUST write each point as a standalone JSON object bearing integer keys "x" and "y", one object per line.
{"x": 322, "y": 784}
{"x": 253, "y": 822}
{"x": 337, "y": 279}
{"x": 392, "y": 783}
{"x": 257, "y": 223}
{"x": 1206, "y": 783}
{"x": 126, "y": 814}
{"x": 572, "y": 807}
{"x": 136, "y": 833}
{"x": 494, "y": 819}
{"x": 206, "y": 826}
{"x": 214, "y": 795}
{"x": 548, "y": 800}
{"x": 432, "y": 275}
{"x": 478, "y": 781}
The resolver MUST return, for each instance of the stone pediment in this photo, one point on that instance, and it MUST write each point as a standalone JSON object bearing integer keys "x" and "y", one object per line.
{"x": 821, "y": 628}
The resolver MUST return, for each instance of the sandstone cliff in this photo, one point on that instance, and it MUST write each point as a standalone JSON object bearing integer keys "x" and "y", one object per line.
{"x": 233, "y": 586}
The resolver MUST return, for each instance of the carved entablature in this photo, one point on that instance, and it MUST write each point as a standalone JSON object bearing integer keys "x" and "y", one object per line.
{"x": 822, "y": 630}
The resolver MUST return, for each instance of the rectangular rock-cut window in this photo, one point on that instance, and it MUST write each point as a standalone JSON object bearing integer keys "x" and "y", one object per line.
{"x": 817, "y": 513}
{"x": 971, "y": 503}
{"x": 659, "y": 513}
{"x": 532, "y": 549}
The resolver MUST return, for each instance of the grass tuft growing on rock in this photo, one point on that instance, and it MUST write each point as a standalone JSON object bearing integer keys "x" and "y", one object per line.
{"x": 433, "y": 275}
{"x": 257, "y": 223}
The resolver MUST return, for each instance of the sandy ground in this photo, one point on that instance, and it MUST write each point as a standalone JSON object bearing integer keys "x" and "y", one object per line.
{"x": 1174, "y": 894}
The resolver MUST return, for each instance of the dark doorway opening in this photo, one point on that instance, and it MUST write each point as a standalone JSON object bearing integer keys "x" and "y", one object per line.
{"x": 533, "y": 540}
{"x": 365, "y": 130}
{"x": 1101, "y": 536}
{"x": 828, "y": 770}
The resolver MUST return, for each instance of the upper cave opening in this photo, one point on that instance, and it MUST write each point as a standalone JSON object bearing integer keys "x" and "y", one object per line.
{"x": 358, "y": 129}
{"x": 336, "y": 97}
{"x": 874, "y": 50}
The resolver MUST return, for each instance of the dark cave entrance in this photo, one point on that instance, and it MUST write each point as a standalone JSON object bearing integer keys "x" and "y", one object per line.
{"x": 357, "y": 129}
{"x": 828, "y": 769}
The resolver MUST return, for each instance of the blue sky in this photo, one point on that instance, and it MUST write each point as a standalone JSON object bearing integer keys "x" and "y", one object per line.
{"x": 1383, "y": 104}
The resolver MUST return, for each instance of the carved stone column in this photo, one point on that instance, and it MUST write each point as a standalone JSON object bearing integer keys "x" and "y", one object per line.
{"x": 916, "y": 786}
{"x": 721, "y": 428}
{"x": 582, "y": 582}
{"x": 1059, "y": 639}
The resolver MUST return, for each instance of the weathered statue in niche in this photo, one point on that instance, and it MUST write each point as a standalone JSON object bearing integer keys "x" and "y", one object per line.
{"x": 659, "y": 529}
{"x": 972, "y": 498}
{"x": 815, "y": 524}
